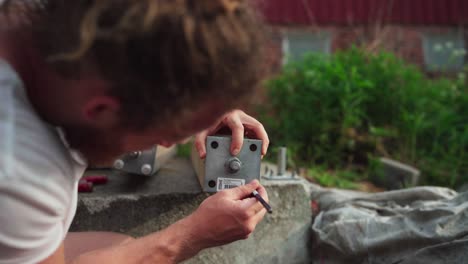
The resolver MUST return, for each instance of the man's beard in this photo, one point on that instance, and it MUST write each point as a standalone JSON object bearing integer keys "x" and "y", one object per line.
{"x": 100, "y": 148}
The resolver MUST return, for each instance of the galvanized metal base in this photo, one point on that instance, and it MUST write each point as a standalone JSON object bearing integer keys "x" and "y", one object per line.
{"x": 138, "y": 162}
{"x": 278, "y": 172}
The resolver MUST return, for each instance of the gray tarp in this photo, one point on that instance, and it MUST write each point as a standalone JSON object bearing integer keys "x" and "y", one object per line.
{"x": 418, "y": 225}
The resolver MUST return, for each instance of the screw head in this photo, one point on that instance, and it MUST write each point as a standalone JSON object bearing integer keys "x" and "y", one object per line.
{"x": 134, "y": 154}
{"x": 212, "y": 184}
{"x": 253, "y": 147}
{"x": 234, "y": 165}
{"x": 146, "y": 169}
{"x": 119, "y": 164}
{"x": 214, "y": 144}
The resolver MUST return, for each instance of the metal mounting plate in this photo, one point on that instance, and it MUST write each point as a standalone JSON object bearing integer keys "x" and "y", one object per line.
{"x": 222, "y": 170}
{"x": 138, "y": 162}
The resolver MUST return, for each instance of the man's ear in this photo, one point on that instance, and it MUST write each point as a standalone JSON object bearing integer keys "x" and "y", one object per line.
{"x": 102, "y": 111}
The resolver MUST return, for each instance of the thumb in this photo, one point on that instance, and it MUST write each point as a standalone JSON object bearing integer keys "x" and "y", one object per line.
{"x": 200, "y": 141}
{"x": 243, "y": 191}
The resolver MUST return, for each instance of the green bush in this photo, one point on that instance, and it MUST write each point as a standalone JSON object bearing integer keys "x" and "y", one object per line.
{"x": 338, "y": 110}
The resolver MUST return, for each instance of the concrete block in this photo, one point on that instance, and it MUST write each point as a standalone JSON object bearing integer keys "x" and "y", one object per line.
{"x": 141, "y": 205}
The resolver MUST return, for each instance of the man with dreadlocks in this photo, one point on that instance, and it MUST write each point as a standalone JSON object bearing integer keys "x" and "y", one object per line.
{"x": 85, "y": 81}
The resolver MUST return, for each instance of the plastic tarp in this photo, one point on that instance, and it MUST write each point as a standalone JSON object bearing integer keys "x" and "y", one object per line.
{"x": 410, "y": 226}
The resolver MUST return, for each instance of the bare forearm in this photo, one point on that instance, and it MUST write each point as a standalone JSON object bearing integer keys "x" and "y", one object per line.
{"x": 227, "y": 216}
{"x": 171, "y": 245}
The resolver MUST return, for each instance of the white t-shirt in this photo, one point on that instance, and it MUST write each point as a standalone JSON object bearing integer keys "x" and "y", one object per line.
{"x": 38, "y": 178}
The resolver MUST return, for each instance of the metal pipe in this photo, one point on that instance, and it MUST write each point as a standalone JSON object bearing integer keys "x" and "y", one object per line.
{"x": 282, "y": 161}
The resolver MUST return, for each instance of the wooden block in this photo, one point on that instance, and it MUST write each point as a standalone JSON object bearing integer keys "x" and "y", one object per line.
{"x": 163, "y": 155}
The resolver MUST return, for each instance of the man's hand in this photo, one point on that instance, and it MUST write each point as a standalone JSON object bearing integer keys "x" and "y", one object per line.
{"x": 227, "y": 216}
{"x": 223, "y": 218}
{"x": 240, "y": 124}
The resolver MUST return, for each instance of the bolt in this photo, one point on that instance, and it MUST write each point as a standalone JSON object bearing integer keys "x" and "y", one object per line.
{"x": 146, "y": 169}
{"x": 212, "y": 184}
{"x": 134, "y": 154}
{"x": 119, "y": 164}
{"x": 214, "y": 145}
{"x": 234, "y": 165}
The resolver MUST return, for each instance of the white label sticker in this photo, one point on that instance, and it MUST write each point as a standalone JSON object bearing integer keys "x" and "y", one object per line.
{"x": 229, "y": 183}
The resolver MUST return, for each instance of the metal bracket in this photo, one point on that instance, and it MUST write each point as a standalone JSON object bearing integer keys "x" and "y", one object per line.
{"x": 138, "y": 162}
{"x": 220, "y": 170}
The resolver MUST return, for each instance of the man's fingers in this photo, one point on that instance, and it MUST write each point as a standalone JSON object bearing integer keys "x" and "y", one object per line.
{"x": 261, "y": 134}
{"x": 263, "y": 193}
{"x": 258, "y": 206}
{"x": 237, "y": 128}
{"x": 241, "y": 192}
{"x": 238, "y": 122}
{"x": 254, "y": 210}
{"x": 257, "y": 127}
{"x": 259, "y": 215}
{"x": 199, "y": 142}
{"x": 248, "y": 203}
{"x": 252, "y": 205}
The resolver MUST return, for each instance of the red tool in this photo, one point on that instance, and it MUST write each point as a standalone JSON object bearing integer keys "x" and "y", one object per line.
{"x": 87, "y": 183}
{"x": 84, "y": 186}
{"x": 96, "y": 179}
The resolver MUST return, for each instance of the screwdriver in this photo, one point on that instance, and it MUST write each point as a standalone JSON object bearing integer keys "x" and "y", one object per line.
{"x": 262, "y": 201}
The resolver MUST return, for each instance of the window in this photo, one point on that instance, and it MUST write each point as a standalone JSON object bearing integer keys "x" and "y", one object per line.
{"x": 296, "y": 43}
{"x": 444, "y": 52}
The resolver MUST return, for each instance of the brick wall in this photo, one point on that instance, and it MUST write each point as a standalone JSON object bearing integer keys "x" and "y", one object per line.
{"x": 405, "y": 41}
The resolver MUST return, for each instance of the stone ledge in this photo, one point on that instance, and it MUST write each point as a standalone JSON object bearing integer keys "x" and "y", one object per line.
{"x": 138, "y": 205}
